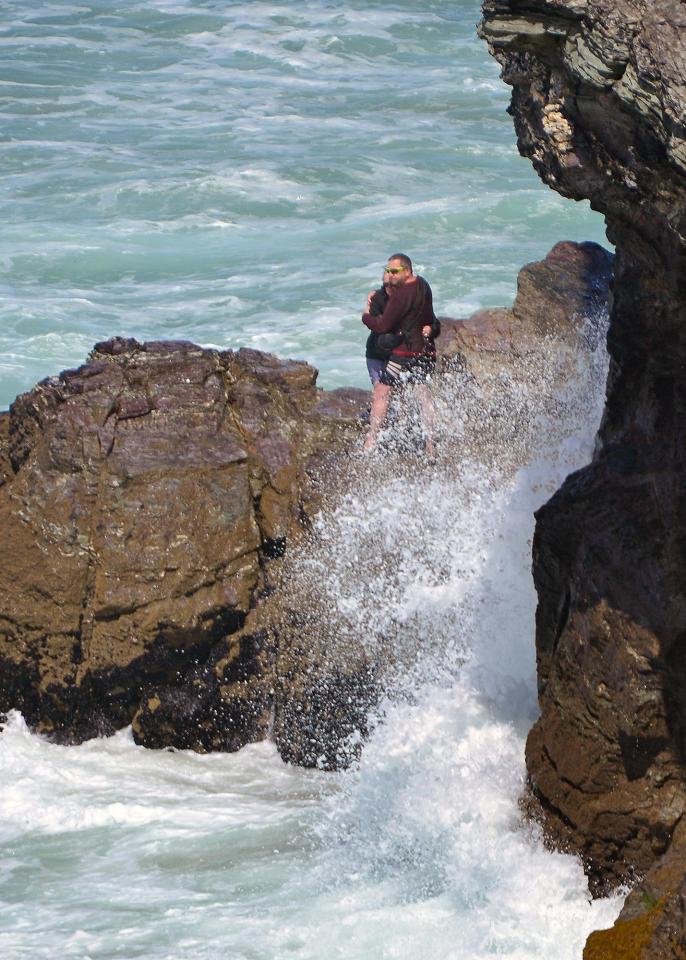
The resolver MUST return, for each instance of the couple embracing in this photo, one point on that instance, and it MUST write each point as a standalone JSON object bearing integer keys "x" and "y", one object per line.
{"x": 400, "y": 348}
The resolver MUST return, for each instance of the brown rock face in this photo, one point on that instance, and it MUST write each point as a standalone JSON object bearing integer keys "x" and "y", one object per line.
{"x": 561, "y": 299}
{"x": 599, "y": 100}
{"x": 140, "y": 497}
{"x": 652, "y": 924}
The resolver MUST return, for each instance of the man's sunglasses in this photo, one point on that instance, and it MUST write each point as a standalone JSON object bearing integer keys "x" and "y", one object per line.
{"x": 394, "y": 270}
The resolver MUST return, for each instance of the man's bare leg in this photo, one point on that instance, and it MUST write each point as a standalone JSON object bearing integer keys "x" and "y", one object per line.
{"x": 428, "y": 414}
{"x": 381, "y": 397}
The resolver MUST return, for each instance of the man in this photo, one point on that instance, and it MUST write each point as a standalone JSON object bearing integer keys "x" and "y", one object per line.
{"x": 407, "y": 326}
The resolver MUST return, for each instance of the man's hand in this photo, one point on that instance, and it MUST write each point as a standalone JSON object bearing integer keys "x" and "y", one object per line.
{"x": 427, "y": 331}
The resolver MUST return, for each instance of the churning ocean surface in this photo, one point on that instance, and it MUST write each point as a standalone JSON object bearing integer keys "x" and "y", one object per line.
{"x": 236, "y": 174}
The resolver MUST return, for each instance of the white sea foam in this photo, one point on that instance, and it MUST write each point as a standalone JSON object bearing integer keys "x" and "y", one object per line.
{"x": 420, "y": 850}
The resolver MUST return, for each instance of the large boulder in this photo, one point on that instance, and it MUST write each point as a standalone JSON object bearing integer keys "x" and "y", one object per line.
{"x": 141, "y": 497}
{"x": 561, "y": 300}
{"x": 155, "y": 502}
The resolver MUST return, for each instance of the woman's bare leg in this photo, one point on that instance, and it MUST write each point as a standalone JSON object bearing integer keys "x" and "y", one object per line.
{"x": 428, "y": 414}
{"x": 381, "y": 397}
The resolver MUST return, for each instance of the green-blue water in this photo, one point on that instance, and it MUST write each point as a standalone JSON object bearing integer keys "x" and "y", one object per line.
{"x": 237, "y": 173}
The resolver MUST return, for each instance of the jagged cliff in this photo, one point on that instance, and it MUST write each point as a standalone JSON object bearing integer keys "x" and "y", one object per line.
{"x": 599, "y": 106}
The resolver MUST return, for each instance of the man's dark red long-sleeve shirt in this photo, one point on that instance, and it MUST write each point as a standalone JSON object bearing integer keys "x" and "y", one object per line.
{"x": 406, "y": 313}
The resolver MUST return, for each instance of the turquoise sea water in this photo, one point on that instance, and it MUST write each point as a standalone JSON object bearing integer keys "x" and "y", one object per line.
{"x": 236, "y": 174}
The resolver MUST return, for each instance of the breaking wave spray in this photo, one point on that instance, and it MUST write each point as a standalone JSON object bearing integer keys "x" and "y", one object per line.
{"x": 418, "y": 850}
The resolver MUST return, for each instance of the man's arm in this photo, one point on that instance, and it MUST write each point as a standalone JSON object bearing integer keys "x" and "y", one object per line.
{"x": 393, "y": 313}
{"x": 432, "y": 329}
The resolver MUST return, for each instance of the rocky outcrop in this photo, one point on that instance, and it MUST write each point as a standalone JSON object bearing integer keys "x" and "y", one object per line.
{"x": 561, "y": 300}
{"x": 141, "y": 497}
{"x": 599, "y": 100}
{"x": 146, "y": 501}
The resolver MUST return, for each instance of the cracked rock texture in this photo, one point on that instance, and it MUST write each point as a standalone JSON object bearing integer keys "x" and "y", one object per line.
{"x": 140, "y": 499}
{"x": 599, "y": 106}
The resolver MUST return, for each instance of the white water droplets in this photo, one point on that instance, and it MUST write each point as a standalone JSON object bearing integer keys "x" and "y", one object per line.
{"x": 426, "y": 568}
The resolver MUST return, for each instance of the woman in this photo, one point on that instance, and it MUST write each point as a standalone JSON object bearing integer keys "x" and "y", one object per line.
{"x": 377, "y": 356}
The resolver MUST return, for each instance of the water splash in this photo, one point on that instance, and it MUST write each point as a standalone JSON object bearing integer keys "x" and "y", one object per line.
{"x": 419, "y": 849}
{"x": 424, "y": 566}
{"x": 424, "y": 569}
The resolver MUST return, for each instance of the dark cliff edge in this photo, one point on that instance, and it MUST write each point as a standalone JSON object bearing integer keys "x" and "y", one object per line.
{"x": 599, "y": 106}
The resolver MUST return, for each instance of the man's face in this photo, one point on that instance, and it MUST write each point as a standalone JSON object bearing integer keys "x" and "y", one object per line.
{"x": 396, "y": 274}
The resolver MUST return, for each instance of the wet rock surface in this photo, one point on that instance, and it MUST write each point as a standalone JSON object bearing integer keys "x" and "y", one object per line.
{"x": 599, "y": 99}
{"x": 142, "y": 496}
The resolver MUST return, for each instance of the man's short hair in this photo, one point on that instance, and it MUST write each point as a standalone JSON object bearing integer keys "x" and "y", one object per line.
{"x": 405, "y": 260}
